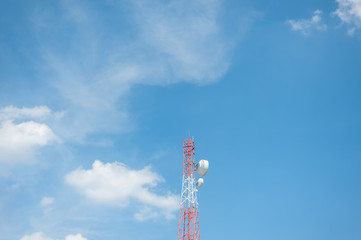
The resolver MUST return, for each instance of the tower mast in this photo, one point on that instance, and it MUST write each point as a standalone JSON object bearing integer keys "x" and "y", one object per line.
{"x": 188, "y": 226}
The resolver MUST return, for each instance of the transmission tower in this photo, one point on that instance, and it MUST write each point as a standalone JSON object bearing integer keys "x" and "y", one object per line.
{"x": 188, "y": 226}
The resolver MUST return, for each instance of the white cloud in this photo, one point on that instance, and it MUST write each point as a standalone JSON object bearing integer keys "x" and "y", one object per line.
{"x": 349, "y": 12}
{"x": 116, "y": 184}
{"x": 42, "y": 236}
{"x": 305, "y": 26}
{"x": 46, "y": 204}
{"x": 75, "y": 237}
{"x": 11, "y": 112}
{"x": 23, "y": 132}
{"x": 19, "y": 142}
{"x": 36, "y": 236}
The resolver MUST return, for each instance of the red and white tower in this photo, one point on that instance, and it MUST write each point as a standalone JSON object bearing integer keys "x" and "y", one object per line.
{"x": 188, "y": 226}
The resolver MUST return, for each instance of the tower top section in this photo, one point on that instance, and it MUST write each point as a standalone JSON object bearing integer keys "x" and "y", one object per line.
{"x": 188, "y": 157}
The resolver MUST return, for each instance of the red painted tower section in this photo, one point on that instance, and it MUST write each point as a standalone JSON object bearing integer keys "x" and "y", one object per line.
{"x": 188, "y": 226}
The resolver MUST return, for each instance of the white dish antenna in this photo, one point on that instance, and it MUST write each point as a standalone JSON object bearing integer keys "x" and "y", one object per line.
{"x": 202, "y": 167}
{"x": 200, "y": 182}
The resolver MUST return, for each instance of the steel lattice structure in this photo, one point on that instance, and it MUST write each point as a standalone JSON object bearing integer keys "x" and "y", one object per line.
{"x": 188, "y": 226}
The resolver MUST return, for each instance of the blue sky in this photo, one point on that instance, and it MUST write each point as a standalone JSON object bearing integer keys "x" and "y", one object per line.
{"x": 96, "y": 98}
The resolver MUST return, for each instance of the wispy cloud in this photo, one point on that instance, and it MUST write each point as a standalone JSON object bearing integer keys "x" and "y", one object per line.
{"x": 171, "y": 42}
{"x": 46, "y": 204}
{"x": 145, "y": 214}
{"x": 184, "y": 39}
{"x": 305, "y": 26}
{"x": 116, "y": 184}
{"x": 11, "y": 112}
{"x": 349, "y": 12}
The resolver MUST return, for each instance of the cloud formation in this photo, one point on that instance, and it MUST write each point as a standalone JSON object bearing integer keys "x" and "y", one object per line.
{"x": 42, "y": 236}
{"x": 46, "y": 204}
{"x": 349, "y": 12}
{"x": 305, "y": 26}
{"x": 75, "y": 237}
{"x": 186, "y": 39}
{"x": 171, "y": 42}
{"x": 20, "y": 136}
{"x": 36, "y": 236}
{"x": 11, "y": 112}
{"x": 116, "y": 184}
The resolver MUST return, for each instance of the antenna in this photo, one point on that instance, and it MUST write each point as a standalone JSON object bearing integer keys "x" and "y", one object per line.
{"x": 202, "y": 167}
